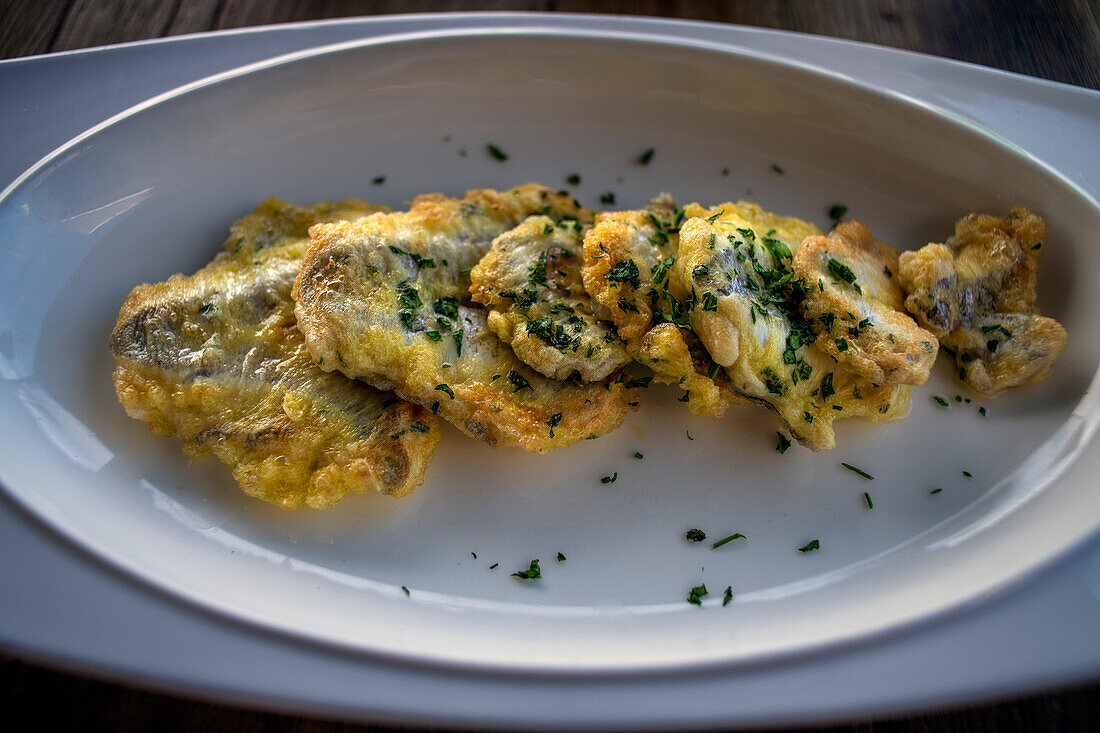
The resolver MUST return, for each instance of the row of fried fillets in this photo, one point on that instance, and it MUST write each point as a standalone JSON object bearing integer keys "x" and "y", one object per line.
{"x": 514, "y": 314}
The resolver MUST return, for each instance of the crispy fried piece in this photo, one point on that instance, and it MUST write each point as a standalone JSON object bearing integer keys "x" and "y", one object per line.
{"x": 531, "y": 283}
{"x": 628, "y": 261}
{"x": 736, "y": 258}
{"x": 381, "y": 300}
{"x": 855, "y": 307}
{"x": 977, "y": 294}
{"x": 216, "y": 359}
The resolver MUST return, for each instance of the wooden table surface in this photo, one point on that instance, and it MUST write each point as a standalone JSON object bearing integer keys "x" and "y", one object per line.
{"x": 1045, "y": 38}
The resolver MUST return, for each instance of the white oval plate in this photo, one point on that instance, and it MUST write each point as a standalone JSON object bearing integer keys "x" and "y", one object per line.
{"x": 152, "y": 192}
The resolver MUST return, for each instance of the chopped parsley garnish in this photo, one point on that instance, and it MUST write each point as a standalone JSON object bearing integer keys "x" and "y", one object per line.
{"x": 610, "y": 479}
{"x": 660, "y": 270}
{"x": 473, "y": 555}
{"x": 405, "y": 588}
{"x": 378, "y": 180}
{"x": 417, "y": 259}
{"x": 995, "y": 328}
{"x": 531, "y": 573}
{"x": 626, "y": 305}
{"x": 445, "y": 390}
{"x": 645, "y": 157}
{"x": 810, "y": 546}
{"x": 701, "y": 271}
{"x": 935, "y": 491}
{"x": 418, "y": 427}
{"x": 446, "y": 306}
{"x": 727, "y": 540}
{"x": 435, "y": 407}
{"x": 841, "y": 272}
{"x": 940, "y": 401}
{"x": 827, "y": 319}
{"x": 968, "y": 474}
{"x": 981, "y": 411}
{"x": 827, "y": 390}
{"x": 695, "y": 535}
{"x": 642, "y": 382}
{"x": 638, "y": 455}
{"x": 519, "y": 381}
{"x": 494, "y": 566}
{"x": 837, "y": 212}
{"x": 573, "y": 179}
{"x": 777, "y": 169}
{"x": 697, "y": 593}
{"x": 496, "y": 152}
{"x": 727, "y": 595}
{"x": 748, "y": 234}
{"x": 709, "y": 302}
{"x": 607, "y": 198}
{"x": 561, "y": 557}
{"x": 860, "y": 471}
{"x": 624, "y": 271}
{"x": 783, "y": 444}
{"x": 434, "y": 335}
{"x": 712, "y": 219}
{"x": 553, "y": 334}
{"x": 867, "y": 498}
{"x": 778, "y": 249}
{"x": 841, "y": 345}
{"x": 553, "y": 422}
{"x": 689, "y": 435}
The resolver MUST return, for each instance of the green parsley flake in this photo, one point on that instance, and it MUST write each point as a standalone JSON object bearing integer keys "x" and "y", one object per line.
{"x": 573, "y": 179}
{"x": 406, "y": 589}
{"x": 645, "y": 157}
{"x": 695, "y": 535}
{"x": 445, "y": 390}
{"x": 727, "y": 595}
{"x": 519, "y": 381}
{"x": 727, "y": 540}
{"x": 607, "y": 198}
{"x": 697, "y": 593}
{"x": 783, "y": 444}
{"x": 968, "y": 474}
{"x": 689, "y": 435}
{"x": 531, "y": 573}
{"x": 496, "y": 152}
{"x": 777, "y": 169}
{"x": 982, "y": 411}
{"x": 610, "y": 479}
{"x": 942, "y": 402}
{"x": 561, "y": 557}
{"x": 624, "y": 271}
{"x": 935, "y": 491}
{"x": 810, "y": 546}
{"x": 378, "y": 180}
{"x": 861, "y": 472}
{"x": 638, "y": 455}
{"x": 837, "y": 212}
{"x": 553, "y": 422}
{"x": 867, "y": 498}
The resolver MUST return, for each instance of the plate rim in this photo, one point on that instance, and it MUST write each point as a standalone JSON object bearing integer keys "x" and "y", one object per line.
{"x": 108, "y": 559}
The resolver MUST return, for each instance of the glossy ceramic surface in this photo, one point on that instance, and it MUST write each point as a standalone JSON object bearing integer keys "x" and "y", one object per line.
{"x": 884, "y": 567}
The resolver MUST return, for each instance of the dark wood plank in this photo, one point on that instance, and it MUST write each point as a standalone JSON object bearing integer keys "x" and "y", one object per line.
{"x": 28, "y": 27}
{"x": 100, "y": 22}
{"x": 238, "y": 13}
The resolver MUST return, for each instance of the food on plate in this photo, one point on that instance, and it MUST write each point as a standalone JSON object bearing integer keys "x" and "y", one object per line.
{"x": 855, "y": 307}
{"x": 628, "y": 261}
{"x": 735, "y": 259}
{"x": 976, "y": 293}
{"x": 216, "y": 359}
{"x": 385, "y": 299}
{"x": 530, "y": 282}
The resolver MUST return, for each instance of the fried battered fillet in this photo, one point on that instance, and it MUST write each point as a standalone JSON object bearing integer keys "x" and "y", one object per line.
{"x": 736, "y": 258}
{"x": 628, "y": 262}
{"x": 216, "y": 359}
{"x": 855, "y": 306}
{"x": 381, "y": 300}
{"x": 531, "y": 283}
{"x": 977, "y": 294}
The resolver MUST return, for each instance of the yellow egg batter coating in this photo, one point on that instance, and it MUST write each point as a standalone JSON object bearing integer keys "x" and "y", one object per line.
{"x": 977, "y": 293}
{"x": 216, "y": 359}
{"x": 855, "y": 307}
{"x": 385, "y": 300}
{"x": 736, "y": 260}
{"x": 530, "y": 280}
{"x": 629, "y": 258}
